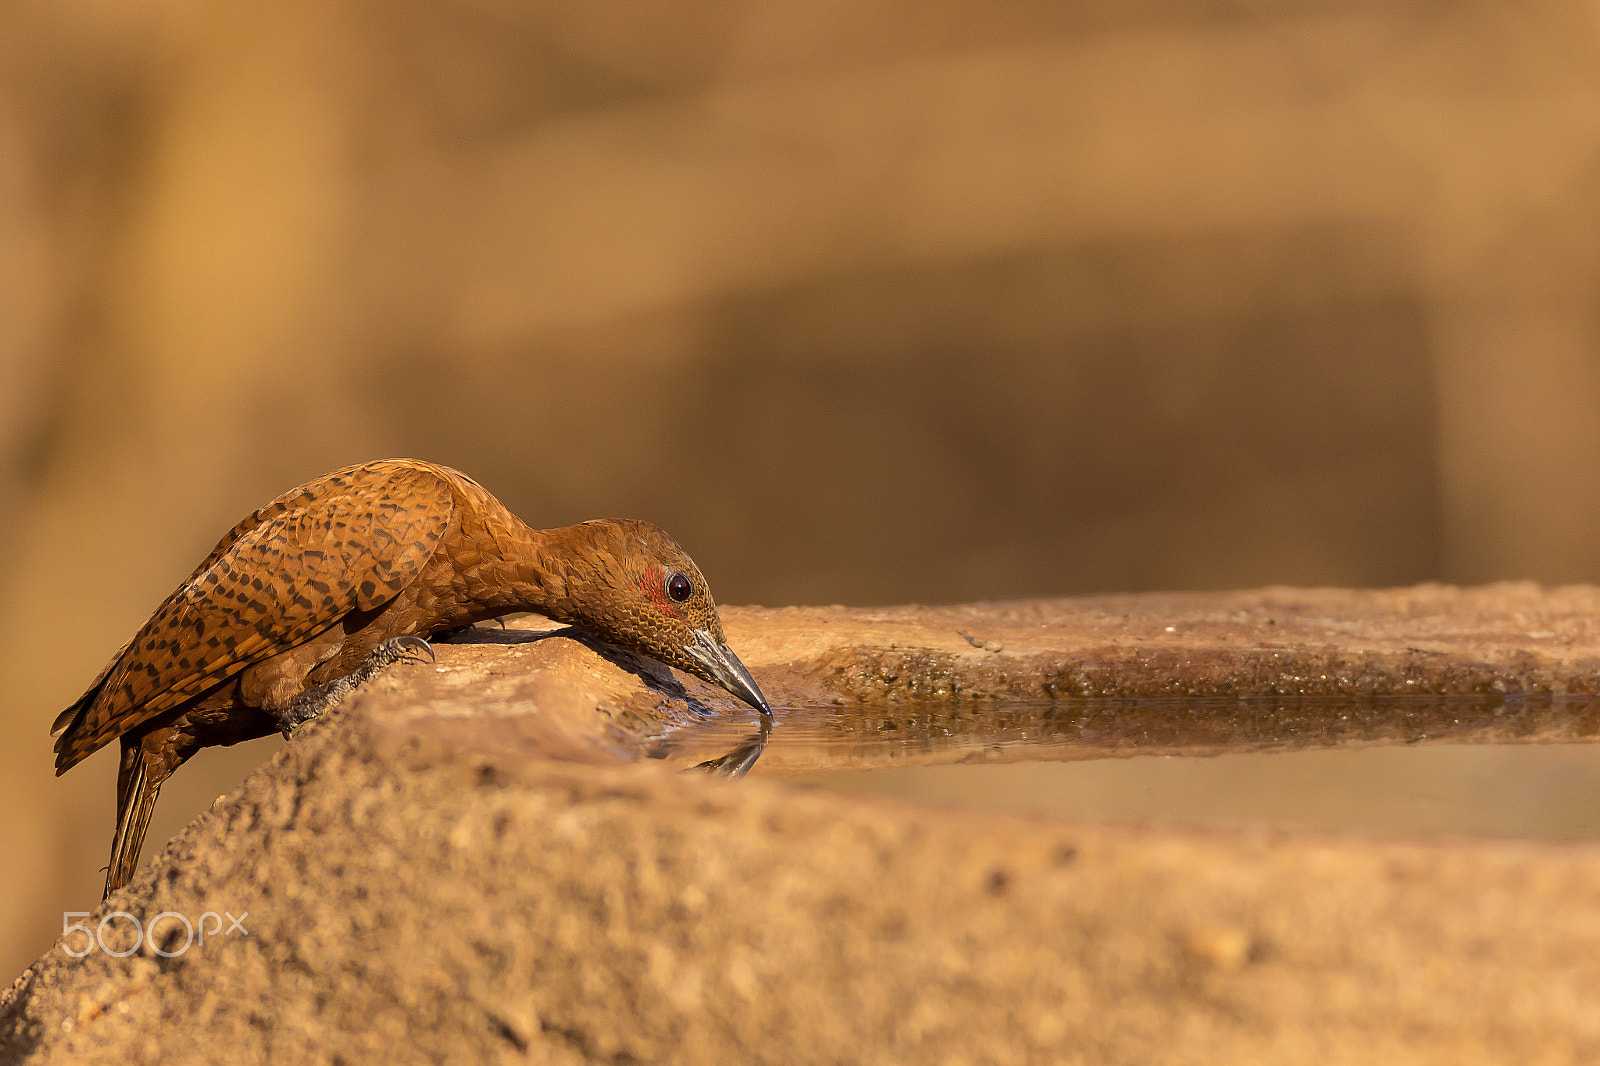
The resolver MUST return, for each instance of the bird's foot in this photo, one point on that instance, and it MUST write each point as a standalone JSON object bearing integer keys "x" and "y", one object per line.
{"x": 313, "y": 701}
{"x": 406, "y": 649}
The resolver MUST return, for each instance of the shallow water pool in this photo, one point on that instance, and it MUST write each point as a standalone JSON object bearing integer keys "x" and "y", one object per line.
{"x": 1506, "y": 768}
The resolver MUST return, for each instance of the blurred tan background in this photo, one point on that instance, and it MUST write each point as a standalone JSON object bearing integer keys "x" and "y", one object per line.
{"x": 866, "y": 302}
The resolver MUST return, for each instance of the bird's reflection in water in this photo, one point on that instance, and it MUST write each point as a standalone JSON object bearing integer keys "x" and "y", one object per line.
{"x": 737, "y": 762}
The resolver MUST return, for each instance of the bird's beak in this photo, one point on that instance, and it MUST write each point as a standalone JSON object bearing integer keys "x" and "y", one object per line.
{"x": 726, "y": 670}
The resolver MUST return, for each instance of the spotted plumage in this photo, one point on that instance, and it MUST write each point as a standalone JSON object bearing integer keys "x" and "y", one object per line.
{"x": 310, "y": 594}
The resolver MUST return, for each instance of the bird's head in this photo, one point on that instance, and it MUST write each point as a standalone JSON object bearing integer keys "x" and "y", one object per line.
{"x": 631, "y": 585}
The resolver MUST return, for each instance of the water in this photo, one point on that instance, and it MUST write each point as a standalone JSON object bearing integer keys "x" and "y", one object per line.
{"x": 1478, "y": 766}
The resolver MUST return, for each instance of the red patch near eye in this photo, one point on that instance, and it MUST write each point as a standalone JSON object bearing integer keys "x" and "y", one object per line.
{"x": 654, "y": 586}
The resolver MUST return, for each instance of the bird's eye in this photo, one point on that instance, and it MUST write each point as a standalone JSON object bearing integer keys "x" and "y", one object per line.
{"x": 678, "y": 587}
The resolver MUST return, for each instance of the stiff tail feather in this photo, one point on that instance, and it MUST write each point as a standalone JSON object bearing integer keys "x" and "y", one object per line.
{"x": 136, "y": 799}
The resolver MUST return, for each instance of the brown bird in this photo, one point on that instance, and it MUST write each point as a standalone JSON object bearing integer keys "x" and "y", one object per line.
{"x": 332, "y": 581}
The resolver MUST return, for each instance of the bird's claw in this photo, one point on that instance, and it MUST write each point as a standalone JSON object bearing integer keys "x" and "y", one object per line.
{"x": 412, "y": 648}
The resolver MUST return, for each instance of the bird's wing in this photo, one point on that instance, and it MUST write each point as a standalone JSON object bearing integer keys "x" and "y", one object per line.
{"x": 294, "y": 498}
{"x": 346, "y": 542}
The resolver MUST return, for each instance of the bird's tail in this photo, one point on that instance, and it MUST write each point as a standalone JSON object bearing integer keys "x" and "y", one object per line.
{"x": 136, "y": 799}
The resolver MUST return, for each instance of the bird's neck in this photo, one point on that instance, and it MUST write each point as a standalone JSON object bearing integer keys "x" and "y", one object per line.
{"x": 508, "y": 566}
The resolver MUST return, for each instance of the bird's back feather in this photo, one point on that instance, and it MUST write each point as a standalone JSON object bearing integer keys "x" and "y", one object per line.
{"x": 349, "y": 541}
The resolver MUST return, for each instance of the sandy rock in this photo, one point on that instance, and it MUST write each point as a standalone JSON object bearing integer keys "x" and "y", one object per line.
{"x": 469, "y": 862}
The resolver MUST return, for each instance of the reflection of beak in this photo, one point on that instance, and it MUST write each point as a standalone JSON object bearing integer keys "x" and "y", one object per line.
{"x": 726, "y": 670}
{"x": 737, "y": 762}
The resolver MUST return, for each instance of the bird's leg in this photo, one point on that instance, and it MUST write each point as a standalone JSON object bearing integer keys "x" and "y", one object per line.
{"x": 313, "y": 701}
